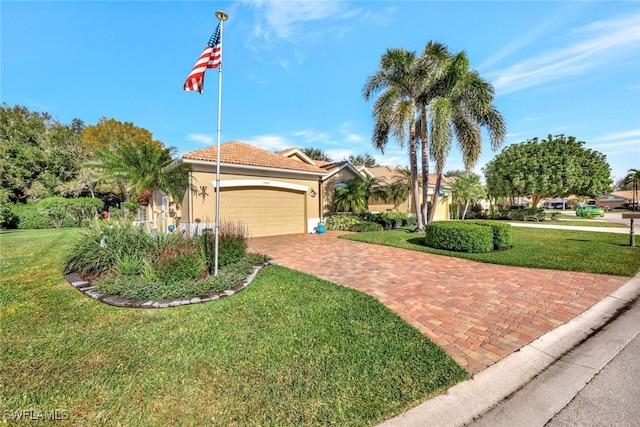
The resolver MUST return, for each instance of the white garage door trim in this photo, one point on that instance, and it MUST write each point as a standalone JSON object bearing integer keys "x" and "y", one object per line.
{"x": 260, "y": 183}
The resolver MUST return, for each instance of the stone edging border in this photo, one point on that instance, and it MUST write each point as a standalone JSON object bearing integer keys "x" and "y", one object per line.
{"x": 89, "y": 290}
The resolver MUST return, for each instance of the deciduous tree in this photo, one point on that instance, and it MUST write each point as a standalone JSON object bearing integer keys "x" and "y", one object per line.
{"x": 558, "y": 166}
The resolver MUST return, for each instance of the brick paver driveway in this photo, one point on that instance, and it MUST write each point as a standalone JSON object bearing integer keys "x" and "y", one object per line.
{"x": 479, "y": 313}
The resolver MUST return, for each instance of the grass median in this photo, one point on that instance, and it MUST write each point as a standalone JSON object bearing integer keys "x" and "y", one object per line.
{"x": 568, "y": 250}
{"x": 289, "y": 350}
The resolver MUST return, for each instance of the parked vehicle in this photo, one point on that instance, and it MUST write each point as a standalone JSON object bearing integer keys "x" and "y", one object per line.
{"x": 589, "y": 210}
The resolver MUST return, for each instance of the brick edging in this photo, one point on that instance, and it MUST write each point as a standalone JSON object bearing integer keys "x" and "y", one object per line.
{"x": 89, "y": 290}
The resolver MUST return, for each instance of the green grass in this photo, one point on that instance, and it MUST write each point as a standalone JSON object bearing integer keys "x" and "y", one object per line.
{"x": 605, "y": 253}
{"x": 289, "y": 350}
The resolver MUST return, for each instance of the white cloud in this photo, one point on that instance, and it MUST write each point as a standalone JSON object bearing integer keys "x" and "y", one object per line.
{"x": 623, "y": 142}
{"x": 201, "y": 138}
{"x": 282, "y": 18}
{"x": 310, "y": 136}
{"x": 340, "y": 153}
{"x": 618, "y": 135}
{"x": 595, "y": 47}
{"x": 269, "y": 142}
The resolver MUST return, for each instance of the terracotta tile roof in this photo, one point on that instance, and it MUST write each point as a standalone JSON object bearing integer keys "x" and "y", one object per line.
{"x": 239, "y": 153}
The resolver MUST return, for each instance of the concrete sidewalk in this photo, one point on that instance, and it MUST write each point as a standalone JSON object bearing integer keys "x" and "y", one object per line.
{"x": 617, "y": 230}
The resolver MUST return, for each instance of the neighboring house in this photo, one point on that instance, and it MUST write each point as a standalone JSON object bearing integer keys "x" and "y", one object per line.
{"x": 385, "y": 175}
{"x": 617, "y": 199}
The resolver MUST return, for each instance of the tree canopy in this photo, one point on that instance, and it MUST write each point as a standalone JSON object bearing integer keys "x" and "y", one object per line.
{"x": 37, "y": 154}
{"x": 316, "y": 154}
{"x": 558, "y": 166}
{"x": 365, "y": 159}
{"x": 107, "y": 132}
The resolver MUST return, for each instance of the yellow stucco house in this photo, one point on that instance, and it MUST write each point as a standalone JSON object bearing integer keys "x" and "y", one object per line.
{"x": 385, "y": 175}
{"x": 269, "y": 193}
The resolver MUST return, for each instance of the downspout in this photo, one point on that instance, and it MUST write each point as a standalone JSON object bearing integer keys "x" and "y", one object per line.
{"x": 320, "y": 198}
{"x": 190, "y": 202}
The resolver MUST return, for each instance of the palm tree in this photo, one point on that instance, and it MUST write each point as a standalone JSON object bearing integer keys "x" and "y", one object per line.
{"x": 460, "y": 104}
{"x": 140, "y": 168}
{"x": 466, "y": 189}
{"x": 394, "y": 111}
{"x": 633, "y": 178}
{"x": 352, "y": 197}
{"x": 433, "y": 64}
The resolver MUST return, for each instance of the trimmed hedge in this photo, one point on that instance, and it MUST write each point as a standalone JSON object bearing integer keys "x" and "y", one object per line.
{"x": 502, "y": 237}
{"x": 459, "y": 236}
{"x": 362, "y": 222}
{"x": 363, "y": 226}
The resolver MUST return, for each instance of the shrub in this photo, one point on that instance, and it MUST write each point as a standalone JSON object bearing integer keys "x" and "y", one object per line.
{"x": 178, "y": 260}
{"x": 342, "y": 221}
{"x": 552, "y": 216}
{"x": 459, "y": 236}
{"x": 502, "y": 237}
{"x": 232, "y": 244}
{"x": 364, "y": 226}
{"x": 100, "y": 246}
{"x": 527, "y": 214}
{"x": 8, "y": 219}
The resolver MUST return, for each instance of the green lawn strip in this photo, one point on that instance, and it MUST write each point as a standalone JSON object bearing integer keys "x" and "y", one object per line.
{"x": 569, "y": 250}
{"x": 290, "y": 350}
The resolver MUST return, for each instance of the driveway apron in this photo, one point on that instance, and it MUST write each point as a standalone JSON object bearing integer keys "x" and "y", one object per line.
{"x": 479, "y": 313}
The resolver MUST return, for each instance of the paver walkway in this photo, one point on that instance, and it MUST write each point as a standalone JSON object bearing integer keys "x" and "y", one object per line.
{"x": 479, "y": 313}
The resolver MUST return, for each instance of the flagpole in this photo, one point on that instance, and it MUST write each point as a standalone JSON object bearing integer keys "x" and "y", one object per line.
{"x": 222, "y": 16}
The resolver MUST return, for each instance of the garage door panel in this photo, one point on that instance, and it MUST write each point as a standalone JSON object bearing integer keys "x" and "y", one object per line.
{"x": 265, "y": 211}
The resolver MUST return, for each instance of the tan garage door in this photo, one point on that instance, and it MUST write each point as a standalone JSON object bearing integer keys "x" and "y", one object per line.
{"x": 265, "y": 211}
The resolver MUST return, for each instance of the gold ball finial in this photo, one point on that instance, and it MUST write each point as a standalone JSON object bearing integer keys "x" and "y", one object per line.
{"x": 222, "y": 15}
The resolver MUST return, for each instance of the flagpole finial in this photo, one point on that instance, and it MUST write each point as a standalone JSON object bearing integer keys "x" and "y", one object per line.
{"x": 222, "y": 15}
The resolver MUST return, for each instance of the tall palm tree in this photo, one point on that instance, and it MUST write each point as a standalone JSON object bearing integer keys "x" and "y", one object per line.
{"x": 140, "y": 168}
{"x": 633, "y": 178}
{"x": 432, "y": 66}
{"x": 399, "y": 84}
{"x": 462, "y": 103}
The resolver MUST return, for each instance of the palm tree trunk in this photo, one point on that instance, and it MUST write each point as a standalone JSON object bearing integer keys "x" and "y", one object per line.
{"x": 413, "y": 160}
{"x": 425, "y": 165}
{"x": 436, "y": 195}
{"x": 466, "y": 206}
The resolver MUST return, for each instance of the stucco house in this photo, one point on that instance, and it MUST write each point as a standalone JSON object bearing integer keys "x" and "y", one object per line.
{"x": 385, "y": 175}
{"x": 269, "y": 193}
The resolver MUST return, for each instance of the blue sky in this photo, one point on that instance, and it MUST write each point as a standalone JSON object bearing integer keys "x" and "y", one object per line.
{"x": 294, "y": 70}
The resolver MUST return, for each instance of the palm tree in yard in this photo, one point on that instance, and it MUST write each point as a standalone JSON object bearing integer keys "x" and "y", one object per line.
{"x": 633, "y": 178}
{"x": 460, "y": 103}
{"x": 466, "y": 189}
{"x": 399, "y": 84}
{"x": 432, "y": 67}
{"x": 140, "y": 168}
{"x": 352, "y": 197}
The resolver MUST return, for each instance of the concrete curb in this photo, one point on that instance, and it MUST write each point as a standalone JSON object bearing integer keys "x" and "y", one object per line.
{"x": 472, "y": 398}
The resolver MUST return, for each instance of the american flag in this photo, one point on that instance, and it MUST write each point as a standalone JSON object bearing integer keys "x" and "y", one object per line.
{"x": 211, "y": 57}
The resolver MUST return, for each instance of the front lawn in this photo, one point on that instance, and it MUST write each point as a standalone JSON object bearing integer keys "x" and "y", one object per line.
{"x": 570, "y": 250}
{"x": 289, "y": 350}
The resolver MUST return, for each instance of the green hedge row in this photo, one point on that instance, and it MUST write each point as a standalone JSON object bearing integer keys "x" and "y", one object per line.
{"x": 461, "y": 236}
{"x": 369, "y": 221}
